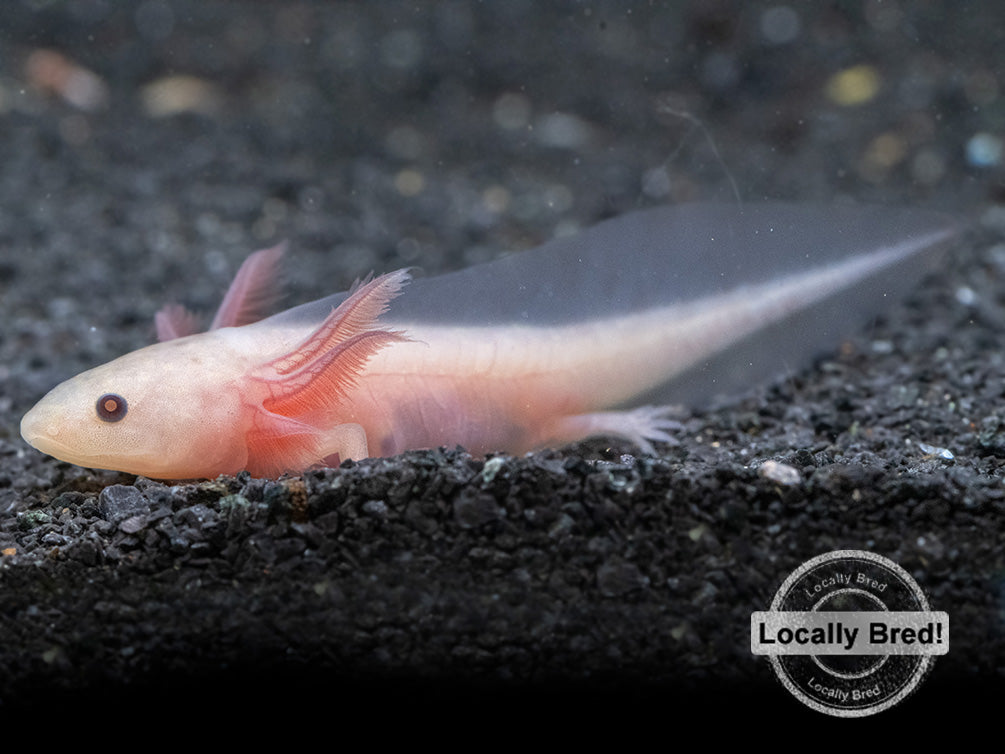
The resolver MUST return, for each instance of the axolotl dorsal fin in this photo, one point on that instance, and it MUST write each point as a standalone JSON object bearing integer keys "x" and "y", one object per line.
{"x": 746, "y": 291}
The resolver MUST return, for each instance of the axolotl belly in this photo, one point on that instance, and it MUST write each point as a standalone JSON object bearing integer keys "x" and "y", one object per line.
{"x": 587, "y": 335}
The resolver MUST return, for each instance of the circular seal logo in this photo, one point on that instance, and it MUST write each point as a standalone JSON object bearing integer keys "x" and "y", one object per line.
{"x": 850, "y": 633}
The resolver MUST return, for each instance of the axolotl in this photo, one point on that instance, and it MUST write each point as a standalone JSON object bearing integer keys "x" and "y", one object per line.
{"x": 590, "y": 334}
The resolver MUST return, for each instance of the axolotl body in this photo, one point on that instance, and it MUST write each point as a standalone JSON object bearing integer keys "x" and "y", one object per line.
{"x": 587, "y": 335}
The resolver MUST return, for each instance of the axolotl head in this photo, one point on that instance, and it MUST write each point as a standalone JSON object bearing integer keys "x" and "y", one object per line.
{"x": 147, "y": 412}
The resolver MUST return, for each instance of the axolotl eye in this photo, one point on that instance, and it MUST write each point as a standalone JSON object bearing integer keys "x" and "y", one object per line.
{"x": 111, "y": 407}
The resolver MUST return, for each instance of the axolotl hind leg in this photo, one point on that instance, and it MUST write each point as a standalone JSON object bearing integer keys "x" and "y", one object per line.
{"x": 642, "y": 426}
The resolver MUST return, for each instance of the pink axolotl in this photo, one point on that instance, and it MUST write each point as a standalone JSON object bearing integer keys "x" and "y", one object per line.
{"x": 580, "y": 337}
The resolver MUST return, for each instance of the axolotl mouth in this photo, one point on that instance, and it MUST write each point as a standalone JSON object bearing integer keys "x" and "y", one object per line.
{"x": 43, "y": 429}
